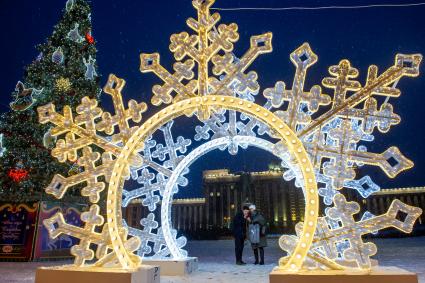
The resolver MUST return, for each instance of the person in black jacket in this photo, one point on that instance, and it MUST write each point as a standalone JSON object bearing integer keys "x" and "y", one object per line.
{"x": 239, "y": 232}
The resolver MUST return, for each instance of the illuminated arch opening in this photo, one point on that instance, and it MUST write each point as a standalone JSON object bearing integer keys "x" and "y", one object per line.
{"x": 186, "y": 162}
{"x": 282, "y": 131}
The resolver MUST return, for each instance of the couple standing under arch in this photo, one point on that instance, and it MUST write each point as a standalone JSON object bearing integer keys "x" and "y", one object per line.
{"x": 249, "y": 224}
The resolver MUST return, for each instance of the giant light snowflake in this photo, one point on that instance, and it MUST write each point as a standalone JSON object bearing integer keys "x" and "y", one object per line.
{"x": 319, "y": 136}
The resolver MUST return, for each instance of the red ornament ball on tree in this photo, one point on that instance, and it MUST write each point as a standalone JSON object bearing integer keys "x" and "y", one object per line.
{"x": 89, "y": 38}
{"x": 17, "y": 175}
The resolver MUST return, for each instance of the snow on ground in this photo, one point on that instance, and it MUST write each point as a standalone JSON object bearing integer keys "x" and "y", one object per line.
{"x": 216, "y": 262}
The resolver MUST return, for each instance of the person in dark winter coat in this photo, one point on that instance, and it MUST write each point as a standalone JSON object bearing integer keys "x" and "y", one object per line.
{"x": 257, "y": 219}
{"x": 239, "y": 233}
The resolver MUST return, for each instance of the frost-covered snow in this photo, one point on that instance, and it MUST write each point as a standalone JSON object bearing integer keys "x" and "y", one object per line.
{"x": 216, "y": 262}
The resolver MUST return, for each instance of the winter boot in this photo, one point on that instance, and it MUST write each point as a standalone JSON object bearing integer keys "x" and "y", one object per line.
{"x": 256, "y": 256}
{"x": 261, "y": 256}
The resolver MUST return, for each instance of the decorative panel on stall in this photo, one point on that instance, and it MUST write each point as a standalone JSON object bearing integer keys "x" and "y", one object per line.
{"x": 17, "y": 229}
{"x": 59, "y": 247}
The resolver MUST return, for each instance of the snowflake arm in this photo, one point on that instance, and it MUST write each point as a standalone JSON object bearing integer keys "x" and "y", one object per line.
{"x": 168, "y": 158}
{"x": 172, "y": 82}
{"x": 303, "y": 58}
{"x": 83, "y": 252}
{"x": 95, "y": 154}
{"x": 147, "y": 235}
{"x": 405, "y": 65}
{"x": 88, "y": 236}
{"x": 339, "y": 226}
{"x": 259, "y": 44}
{"x": 340, "y": 168}
{"x": 134, "y": 112}
{"x": 202, "y": 48}
{"x": 77, "y": 136}
{"x": 81, "y": 132}
{"x": 59, "y": 184}
{"x": 401, "y": 163}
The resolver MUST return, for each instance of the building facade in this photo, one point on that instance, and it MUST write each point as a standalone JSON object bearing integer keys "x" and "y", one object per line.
{"x": 187, "y": 214}
{"x": 279, "y": 201}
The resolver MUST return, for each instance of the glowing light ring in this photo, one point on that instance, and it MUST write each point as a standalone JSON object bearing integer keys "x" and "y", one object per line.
{"x": 283, "y": 132}
{"x": 185, "y": 163}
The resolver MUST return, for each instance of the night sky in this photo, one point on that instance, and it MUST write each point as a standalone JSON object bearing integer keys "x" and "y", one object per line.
{"x": 123, "y": 29}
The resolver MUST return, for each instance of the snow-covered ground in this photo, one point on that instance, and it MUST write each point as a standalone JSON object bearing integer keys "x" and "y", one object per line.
{"x": 216, "y": 262}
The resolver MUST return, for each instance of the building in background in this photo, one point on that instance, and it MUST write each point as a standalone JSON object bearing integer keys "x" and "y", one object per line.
{"x": 188, "y": 215}
{"x": 279, "y": 201}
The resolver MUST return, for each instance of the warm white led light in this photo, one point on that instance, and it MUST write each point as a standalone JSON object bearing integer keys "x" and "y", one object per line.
{"x": 185, "y": 163}
{"x": 324, "y": 148}
{"x": 224, "y": 103}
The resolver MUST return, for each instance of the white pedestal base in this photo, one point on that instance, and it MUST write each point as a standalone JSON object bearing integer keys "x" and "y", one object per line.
{"x": 378, "y": 274}
{"x": 170, "y": 267}
{"x": 72, "y": 274}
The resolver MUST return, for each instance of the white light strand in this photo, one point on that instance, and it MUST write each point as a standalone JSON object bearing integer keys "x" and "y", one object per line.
{"x": 319, "y": 8}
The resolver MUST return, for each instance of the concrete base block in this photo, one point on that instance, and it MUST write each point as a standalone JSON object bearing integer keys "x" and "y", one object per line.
{"x": 378, "y": 274}
{"x": 72, "y": 274}
{"x": 171, "y": 267}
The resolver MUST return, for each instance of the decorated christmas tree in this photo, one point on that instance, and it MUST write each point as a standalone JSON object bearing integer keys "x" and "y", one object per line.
{"x": 63, "y": 73}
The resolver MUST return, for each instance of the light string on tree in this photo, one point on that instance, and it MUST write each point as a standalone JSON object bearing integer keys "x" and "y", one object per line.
{"x": 319, "y": 7}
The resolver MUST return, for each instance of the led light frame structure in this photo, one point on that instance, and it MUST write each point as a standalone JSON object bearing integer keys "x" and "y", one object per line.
{"x": 325, "y": 148}
{"x": 286, "y": 135}
{"x": 185, "y": 163}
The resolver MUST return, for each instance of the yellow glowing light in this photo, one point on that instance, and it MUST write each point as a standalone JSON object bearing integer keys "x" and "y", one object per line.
{"x": 80, "y": 134}
{"x": 63, "y": 84}
{"x": 326, "y": 239}
{"x": 283, "y": 132}
{"x": 210, "y": 48}
{"x": 202, "y": 49}
{"x": 343, "y": 105}
{"x": 405, "y": 65}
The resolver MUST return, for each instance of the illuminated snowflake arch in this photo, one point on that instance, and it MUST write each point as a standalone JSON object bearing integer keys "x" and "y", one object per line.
{"x": 319, "y": 149}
